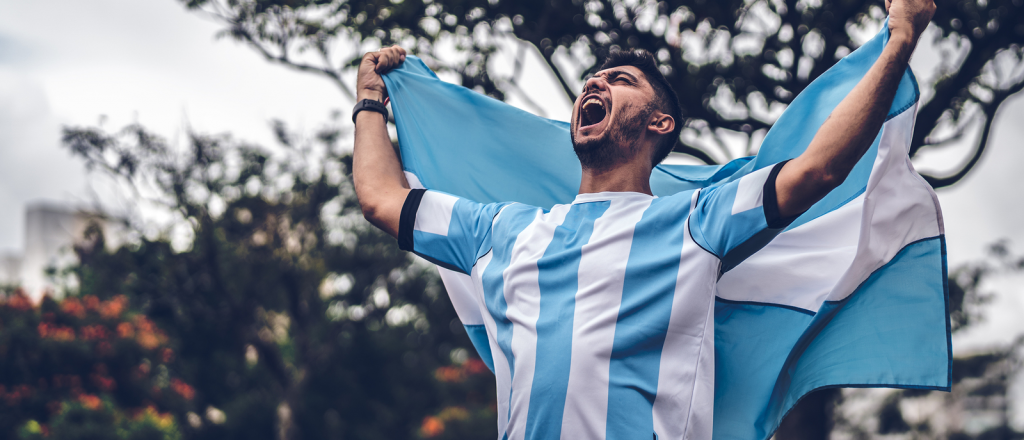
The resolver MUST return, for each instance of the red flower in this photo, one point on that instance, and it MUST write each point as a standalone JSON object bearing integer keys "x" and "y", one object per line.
{"x": 17, "y": 394}
{"x": 475, "y": 366}
{"x": 73, "y": 307}
{"x": 431, "y": 427}
{"x": 183, "y": 389}
{"x": 92, "y": 303}
{"x": 94, "y": 332}
{"x": 167, "y": 355}
{"x": 450, "y": 374}
{"x": 56, "y": 332}
{"x": 90, "y": 401}
{"x": 19, "y": 301}
{"x": 112, "y": 308}
{"x": 104, "y": 383}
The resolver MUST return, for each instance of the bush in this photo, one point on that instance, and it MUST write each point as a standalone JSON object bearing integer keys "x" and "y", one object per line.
{"x": 82, "y": 368}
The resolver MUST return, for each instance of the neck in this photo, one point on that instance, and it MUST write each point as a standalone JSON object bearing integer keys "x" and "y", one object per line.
{"x": 632, "y": 176}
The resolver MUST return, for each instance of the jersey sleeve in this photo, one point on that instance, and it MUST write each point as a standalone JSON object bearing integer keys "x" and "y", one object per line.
{"x": 446, "y": 230}
{"x": 734, "y": 220}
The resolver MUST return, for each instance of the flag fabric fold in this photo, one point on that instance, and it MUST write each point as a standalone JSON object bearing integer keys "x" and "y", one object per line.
{"x": 852, "y": 294}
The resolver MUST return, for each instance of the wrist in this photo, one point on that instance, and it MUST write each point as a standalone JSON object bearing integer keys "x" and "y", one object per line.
{"x": 902, "y": 37}
{"x": 375, "y": 95}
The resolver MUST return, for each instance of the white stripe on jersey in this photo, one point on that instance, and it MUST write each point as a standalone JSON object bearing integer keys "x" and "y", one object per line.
{"x": 690, "y": 304}
{"x": 601, "y": 276}
{"x": 464, "y": 295}
{"x": 750, "y": 191}
{"x": 502, "y": 375}
{"x": 522, "y": 294}
{"x": 435, "y": 213}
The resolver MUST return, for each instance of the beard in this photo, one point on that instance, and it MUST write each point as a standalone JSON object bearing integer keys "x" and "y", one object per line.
{"x": 619, "y": 142}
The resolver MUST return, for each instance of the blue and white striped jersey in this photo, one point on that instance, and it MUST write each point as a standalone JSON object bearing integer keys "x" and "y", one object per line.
{"x": 598, "y": 313}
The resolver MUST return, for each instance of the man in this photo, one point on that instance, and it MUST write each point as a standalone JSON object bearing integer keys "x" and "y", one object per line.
{"x": 602, "y": 308}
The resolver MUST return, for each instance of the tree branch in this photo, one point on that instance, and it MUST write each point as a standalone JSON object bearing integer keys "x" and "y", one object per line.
{"x": 284, "y": 60}
{"x": 940, "y": 182}
{"x": 695, "y": 153}
{"x": 558, "y": 74}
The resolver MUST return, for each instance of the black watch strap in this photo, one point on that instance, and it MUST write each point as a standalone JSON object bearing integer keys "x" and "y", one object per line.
{"x": 369, "y": 104}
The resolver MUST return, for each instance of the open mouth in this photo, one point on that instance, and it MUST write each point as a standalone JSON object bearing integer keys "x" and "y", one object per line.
{"x": 592, "y": 112}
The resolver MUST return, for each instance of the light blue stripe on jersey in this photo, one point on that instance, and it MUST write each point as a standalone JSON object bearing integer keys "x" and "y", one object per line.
{"x": 513, "y": 220}
{"x": 559, "y": 279}
{"x": 644, "y": 317}
{"x": 716, "y": 228}
{"x": 478, "y": 336}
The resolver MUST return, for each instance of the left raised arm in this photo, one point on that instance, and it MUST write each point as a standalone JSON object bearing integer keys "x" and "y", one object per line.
{"x": 851, "y": 128}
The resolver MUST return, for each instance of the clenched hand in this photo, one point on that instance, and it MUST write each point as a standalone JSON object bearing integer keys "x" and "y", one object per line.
{"x": 369, "y": 84}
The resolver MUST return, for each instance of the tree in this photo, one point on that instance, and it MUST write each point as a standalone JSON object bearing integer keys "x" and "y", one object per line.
{"x": 737, "y": 63}
{"x": 293, "y": 316}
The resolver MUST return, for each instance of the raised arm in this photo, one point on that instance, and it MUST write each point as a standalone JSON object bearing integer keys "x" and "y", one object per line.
{"x": 380, "y": 184}
{"x": 851, "y": 128}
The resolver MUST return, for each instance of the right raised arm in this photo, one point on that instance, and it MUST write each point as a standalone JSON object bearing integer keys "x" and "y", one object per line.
{"x": 380, "y": 183}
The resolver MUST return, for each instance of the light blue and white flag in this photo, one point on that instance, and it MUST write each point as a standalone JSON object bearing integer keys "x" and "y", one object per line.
{"x": 852, "y": 294}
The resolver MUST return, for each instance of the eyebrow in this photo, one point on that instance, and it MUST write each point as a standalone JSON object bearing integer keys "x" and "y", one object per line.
{"x": 611, "y": 74}
{"x": 615, "y": 73}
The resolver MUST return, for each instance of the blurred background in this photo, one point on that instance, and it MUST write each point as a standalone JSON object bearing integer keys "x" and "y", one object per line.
{"x": 182, "y": 255}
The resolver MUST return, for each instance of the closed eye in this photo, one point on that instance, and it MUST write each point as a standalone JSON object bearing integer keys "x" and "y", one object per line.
{"x": 612, "y": 77}
{"x": 620, "y": 77}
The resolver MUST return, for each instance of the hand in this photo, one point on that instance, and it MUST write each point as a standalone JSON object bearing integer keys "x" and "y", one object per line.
{"x": 369, "y": 84}
{"x": 909, "y": 18}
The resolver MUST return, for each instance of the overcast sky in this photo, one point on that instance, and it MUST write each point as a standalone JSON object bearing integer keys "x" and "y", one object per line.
{"x": 69, "y": 62}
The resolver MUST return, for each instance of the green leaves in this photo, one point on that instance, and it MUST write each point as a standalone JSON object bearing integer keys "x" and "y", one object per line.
{"x": 283, "y": 297}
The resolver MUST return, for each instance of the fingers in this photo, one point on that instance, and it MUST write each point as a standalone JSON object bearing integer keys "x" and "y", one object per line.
{"x": 389, "y": 58}
{"x": 371, "y": 58}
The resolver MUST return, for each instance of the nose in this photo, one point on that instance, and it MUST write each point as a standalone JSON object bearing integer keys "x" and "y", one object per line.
{"x": 595, "y": 84}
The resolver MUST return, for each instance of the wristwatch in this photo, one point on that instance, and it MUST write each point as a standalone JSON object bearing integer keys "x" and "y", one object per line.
{"x": 371, "y": 105}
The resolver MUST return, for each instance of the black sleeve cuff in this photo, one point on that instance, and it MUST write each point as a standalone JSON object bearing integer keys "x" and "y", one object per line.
{"x": 408, "y": 219}
{"x": 770, "y": 200}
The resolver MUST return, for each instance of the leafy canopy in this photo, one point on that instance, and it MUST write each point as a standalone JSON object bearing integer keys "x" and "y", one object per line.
{"x": 735, "y": 64}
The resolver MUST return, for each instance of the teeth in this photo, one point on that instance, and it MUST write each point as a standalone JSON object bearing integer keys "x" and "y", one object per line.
{"x": 592, "y": 101}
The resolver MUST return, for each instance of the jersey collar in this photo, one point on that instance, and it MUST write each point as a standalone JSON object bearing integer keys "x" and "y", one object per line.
{"x": 609, "y": 195}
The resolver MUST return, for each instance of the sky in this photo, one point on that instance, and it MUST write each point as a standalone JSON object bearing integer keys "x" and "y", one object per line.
{"x": 80, "y": 63}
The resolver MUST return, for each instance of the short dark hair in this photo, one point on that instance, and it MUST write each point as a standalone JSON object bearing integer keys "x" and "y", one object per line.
{"x": 665, "y": 98}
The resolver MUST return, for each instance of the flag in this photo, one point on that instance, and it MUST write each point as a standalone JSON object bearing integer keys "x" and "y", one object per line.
{"x": 852, "y": 294}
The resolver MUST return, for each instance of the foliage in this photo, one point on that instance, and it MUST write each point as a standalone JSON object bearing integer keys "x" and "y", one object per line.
{"x": 738, "y": 63}
{"x": 295, "y": 318}
{"x": 468, "y": 385}
{"x": 82, "y": 368}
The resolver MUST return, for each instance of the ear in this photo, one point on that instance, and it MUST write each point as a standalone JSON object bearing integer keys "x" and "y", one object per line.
{"x": 661, "y": 124}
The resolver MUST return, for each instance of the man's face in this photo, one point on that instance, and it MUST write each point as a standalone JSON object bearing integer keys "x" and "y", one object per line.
{"x": 610, "y": 116}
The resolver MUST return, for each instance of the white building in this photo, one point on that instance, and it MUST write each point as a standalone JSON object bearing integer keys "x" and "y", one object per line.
{"x": 51, "y": 230}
